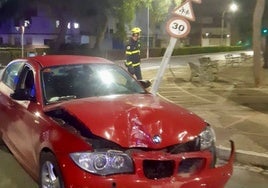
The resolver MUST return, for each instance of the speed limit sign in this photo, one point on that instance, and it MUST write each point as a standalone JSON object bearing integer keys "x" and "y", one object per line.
{"x": 178, "y": 27}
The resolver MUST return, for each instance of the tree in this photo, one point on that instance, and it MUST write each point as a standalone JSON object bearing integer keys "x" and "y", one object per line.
{"x": 69, "y": 10}
{"x": 66, "y": 11}
{"x": 125, "y": 14}
{"x": 257, "y": 24}
{"x": 123, "y": 10}
{"x": 265, "y": 25}
{"x": 161, "y": 10}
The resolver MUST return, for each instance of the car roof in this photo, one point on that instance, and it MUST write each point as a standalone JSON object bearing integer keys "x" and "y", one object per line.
{"x": 55, "y": 60}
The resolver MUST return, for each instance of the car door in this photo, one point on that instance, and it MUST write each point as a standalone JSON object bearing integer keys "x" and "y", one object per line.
{"x": 8, "y": 84}
{"x": 19, "y": 117}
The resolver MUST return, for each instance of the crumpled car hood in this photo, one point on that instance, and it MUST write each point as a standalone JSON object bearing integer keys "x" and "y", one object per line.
{"x": 136, "y": 120}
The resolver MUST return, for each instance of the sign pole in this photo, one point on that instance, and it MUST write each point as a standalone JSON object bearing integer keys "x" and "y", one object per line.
{"x": 177, "y": 27}
{"x": 165, "y": 61}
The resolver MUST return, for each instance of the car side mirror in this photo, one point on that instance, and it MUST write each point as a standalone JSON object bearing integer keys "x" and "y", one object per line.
{"x": 145, "y": 83}
{"x": 22, "y": 94}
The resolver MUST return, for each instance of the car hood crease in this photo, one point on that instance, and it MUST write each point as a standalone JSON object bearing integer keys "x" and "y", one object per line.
{"x": 134, "y": 121}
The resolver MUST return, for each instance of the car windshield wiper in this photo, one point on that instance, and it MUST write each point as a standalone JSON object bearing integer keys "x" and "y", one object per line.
{"x": 62, "y": 98}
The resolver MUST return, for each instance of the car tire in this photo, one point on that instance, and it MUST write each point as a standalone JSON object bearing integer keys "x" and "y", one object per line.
{"x": 49, "y": 174}
{"x": 1, "y": 141}
{"x": 3, "y": 146}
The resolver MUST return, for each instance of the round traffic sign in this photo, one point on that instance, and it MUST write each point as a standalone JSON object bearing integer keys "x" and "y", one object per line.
{"x": 178, "y": 27}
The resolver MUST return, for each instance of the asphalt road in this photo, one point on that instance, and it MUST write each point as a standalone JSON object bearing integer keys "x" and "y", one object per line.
{"x": 243, "y": 178}
{"x": 12, "y": 175}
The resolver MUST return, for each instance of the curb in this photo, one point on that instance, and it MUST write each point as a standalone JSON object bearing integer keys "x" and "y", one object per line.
{"x": 245, "y": 157}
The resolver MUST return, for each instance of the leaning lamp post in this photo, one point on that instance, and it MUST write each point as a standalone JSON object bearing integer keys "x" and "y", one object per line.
{"x": 232, "y": 8}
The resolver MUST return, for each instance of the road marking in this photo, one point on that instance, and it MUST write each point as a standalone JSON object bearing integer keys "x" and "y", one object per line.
{"x": 201, "y": 98}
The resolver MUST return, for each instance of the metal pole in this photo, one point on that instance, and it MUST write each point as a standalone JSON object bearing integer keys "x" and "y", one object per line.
{"x": 165, "y": 61}
{"x": 22, "y": 41}
{"x": 148, "y": 27}
{"x": 163, "y": 65}
{"x": 222, "y": 26}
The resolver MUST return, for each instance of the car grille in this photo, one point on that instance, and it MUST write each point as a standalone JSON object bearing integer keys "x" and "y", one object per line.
{"x": 154, "y": 169}
{"x": 158, "y": 169}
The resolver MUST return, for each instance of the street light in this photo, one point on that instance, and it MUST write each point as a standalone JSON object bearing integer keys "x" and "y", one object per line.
{"x": 22, "y": 40}
{"x": 22, "y": 29}
{"x": 232, "y": 8}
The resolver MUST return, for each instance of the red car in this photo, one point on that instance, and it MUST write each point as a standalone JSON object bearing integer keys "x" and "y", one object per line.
{"x": 77, "y": 121}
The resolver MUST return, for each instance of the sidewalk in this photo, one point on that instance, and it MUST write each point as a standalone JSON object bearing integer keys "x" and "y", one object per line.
{"x": 232, "y": 105}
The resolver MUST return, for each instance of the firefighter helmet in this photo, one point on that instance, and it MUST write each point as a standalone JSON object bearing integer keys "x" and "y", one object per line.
{"x": 135, "y": 30}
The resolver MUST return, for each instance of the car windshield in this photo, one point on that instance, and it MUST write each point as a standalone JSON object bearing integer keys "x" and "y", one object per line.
{"x": 86, "y": 80}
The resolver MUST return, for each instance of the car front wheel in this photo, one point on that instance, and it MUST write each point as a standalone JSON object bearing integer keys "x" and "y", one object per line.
{"x": 50, "y": 175}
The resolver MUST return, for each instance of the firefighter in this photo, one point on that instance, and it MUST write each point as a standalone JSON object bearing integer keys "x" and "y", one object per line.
{"x": 133, "y": 50}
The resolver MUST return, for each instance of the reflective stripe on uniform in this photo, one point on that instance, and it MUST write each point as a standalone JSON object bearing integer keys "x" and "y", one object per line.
{"x": 132, "y": 52}
{"x": 128, "y": 63}
{"x": 136, "y": 64}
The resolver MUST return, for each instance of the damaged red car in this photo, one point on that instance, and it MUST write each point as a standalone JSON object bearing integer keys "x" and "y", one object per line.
{"x": 78, "y": 121}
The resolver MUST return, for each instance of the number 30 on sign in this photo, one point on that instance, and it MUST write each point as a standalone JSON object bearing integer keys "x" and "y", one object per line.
{"x": 178, "y": 27}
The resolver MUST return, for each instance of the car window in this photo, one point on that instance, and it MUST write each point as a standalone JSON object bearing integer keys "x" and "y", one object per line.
{"x": 11, "y": 74}
{"x": 27, "y": 81}
{"x": 88, "y": 80}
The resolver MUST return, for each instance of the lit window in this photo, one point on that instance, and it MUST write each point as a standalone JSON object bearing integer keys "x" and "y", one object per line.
{"x": 57, "y": 23}
{"x": 26, "y": 23}
{"x": 76, "y": 25}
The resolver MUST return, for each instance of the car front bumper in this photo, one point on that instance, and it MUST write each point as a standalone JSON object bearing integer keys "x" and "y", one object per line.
{"x": 207, "y": 177}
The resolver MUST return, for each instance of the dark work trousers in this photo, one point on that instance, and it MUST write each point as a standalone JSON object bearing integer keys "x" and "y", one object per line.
{"x": 135, "y": 71}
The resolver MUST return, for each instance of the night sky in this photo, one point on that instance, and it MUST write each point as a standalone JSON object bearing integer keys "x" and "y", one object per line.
{"x": 220, "y": 4}
{"x": 215, "y": 8}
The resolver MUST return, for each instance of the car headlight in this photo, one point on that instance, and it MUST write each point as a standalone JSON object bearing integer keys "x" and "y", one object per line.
{"x": 207, "y": 138}
{"x": 103, "y": 162}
